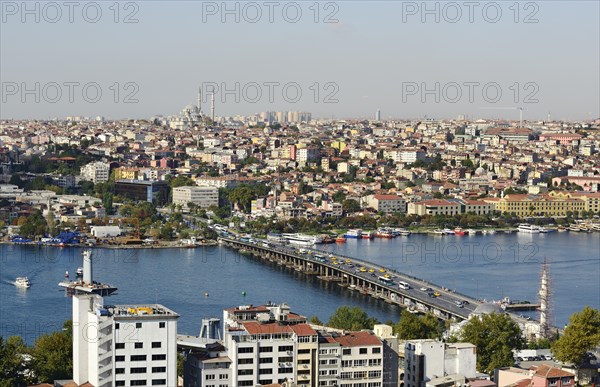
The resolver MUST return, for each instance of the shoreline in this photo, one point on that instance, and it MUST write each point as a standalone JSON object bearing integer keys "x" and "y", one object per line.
{"x": 115, "y": 247}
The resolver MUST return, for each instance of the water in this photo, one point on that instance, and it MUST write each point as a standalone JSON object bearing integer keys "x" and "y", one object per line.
{"x": 486, "y": 267}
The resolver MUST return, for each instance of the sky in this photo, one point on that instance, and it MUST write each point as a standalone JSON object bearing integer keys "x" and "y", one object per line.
{"x": 340, "y": 59}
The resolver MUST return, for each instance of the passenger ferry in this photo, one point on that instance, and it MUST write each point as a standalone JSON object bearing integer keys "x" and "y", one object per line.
{"x": 302, "y": 240}
{"x": 355, "y": 233}
{"x": 529, "y": 228}
{"x": 22, "y": 282}
{"x": 276, "y": 238}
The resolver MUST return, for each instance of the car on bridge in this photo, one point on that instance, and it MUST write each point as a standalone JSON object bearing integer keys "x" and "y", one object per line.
{"x": 426, "y": 289}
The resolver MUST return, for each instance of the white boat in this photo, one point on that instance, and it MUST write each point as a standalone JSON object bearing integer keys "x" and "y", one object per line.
{"x": 471, "y": 232}
{"x": 447, "y": 231}
{"x": 22, "y": 282}
{"x": 302, "y": 240}
{"x": 438, "y": 231}
{"x": 529, "y": 228}
{"x": 543, "y": 230}
{"x": 355, "y": 233}
{"x": 402, "y": 231}
{"x": 367, "y": 235}
{"x": 79, "y": 271}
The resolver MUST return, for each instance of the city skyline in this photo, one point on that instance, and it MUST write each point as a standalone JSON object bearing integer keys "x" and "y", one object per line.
{"x": 357, "y": 58}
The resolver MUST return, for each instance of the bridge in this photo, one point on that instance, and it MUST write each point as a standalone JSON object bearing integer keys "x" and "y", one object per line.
{"x": 420, "y": 297}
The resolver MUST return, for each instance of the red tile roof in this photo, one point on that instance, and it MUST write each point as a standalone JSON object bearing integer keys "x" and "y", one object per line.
{"x": 355, "y": 339}
{"x": 547, "y": 371}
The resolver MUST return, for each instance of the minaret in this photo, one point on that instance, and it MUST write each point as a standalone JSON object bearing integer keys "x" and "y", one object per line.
{"x": 544, "y": 301}
{"x": 200, "y": 100}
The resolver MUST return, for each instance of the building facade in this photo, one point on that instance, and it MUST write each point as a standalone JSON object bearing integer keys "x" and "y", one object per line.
{"x": 203, "y": 197}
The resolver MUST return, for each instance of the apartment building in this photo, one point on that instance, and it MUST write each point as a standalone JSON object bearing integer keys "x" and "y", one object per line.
{"x": 96, "y": 172}
{"x": 426, "y": 361}
{"x": 203, "y": 197}
{"x": 386, "y": 203}
{"x": 434, "y": 207}
{"x": 545, "y": 204}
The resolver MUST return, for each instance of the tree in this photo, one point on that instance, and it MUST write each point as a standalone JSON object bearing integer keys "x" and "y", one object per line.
{"x": 495, "y": 336}
{"x": 413, "y": 327}
{"x": 12, "y": 365}
{"x": 53, "y": 355}
{"x": 315, "y": 320}
{"x": 182, "y": 181}
{"x": 581, "y": 335}
{"x": 350, "y": 205}
{"x": 353, "y": 319}
{"x": 166, "y": 232}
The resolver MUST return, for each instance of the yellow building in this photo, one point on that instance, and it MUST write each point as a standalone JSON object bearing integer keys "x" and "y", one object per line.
{"x": 126, "y": 173}
{"x": 591, "y": 199}
{"x": 541, "y": 205}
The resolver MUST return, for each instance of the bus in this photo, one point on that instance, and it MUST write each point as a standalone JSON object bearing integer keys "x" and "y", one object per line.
{"x": 386, "y": 281}
{"x": 403, "y": 285}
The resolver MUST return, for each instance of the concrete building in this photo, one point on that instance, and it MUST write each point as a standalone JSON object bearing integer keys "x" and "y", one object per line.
{"x": 203, "y": 197}
{"x": 132, "y": 345}
{"x": 428, "y": 360}
{"x": 155, "y": 192}
{"x": 386, "y": 203}
{"x": 96, "y": 172}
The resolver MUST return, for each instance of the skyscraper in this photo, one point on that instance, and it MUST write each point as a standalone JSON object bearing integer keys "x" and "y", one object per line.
{"x": 378, "y": 115}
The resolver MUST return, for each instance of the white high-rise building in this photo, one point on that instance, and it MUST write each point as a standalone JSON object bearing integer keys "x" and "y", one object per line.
{"x": 378, "y": 115}
{"x": 202, "y": 196}
{"x": 123, "y": 345}
{"x": 96, "y": 172}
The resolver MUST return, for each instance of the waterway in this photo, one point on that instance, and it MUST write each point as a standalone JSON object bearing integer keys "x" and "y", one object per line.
{"x": 487, "y": 267}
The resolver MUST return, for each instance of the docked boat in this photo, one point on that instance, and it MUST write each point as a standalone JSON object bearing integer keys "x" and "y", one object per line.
{"x": 22, "y": 282}
{"x": 385, "y": 233}
{"x": 574, "y": 227}
{"x": 302, "y": 240}
{"x": 460, "y": 231}
{"x": 367, "y": 235}
{"x": 543, "y": 230}
{"x": 340, "y": 239}
{"x": 438, "y": 231}
{"x": 327, "y": 239}
{"x": 402, "y": 232}
{"x": 447, "y": 231}
{"x": 79, "y": 271}
{"x": 584, "y": 228}
{"x": 528, "y": 228}
{"x": 276, "y": 238}
{"x": 354, "y": 233}
{"x": 561, "y": 229}
{"x": 471, "y": 232}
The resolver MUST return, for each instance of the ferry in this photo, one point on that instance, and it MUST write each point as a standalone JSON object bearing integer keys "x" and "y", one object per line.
{"x": 355, "y": 233}
{"x": 22, "y": 282}
{"x": 529, "y": 228}
{"x": 302, "y": 240}
{"x": 367, "y": 235}
{"x": 277, "y": 238}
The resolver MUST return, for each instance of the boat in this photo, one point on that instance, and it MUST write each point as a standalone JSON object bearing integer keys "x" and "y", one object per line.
{"x": 340, "y": 239}
{"x": 447, "y": 231}
{"x": 22, "y": 282}
{"x": 584, "y": 228}
{"x": 471, "y": 232}
{"x": 402, "y": 232}
{"x": 561, "y": 229}
{"x": 354, "y": 233}
{"x": 383, "y": 232}
{"x": 460, "y": 231}
{"x": 302, "y": 240}
{"x": 367, "y": 235}
{"x": 491, "y": 232}
{"x": 543, "y": 230}
{"x": 327, "y": 239}
{"x": 67, "y": 274}
{"x": 79, "y": 271}
{"x": 438, "y": 231}
{"x": 574, "y": 227}
{"x": 528, "y": 228}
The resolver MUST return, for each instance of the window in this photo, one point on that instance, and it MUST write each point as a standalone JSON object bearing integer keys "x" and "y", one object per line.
{"x": 138, "y": 370}
{"x": 376, "y": 350}
{"x": 266, "y": 371}
{"x": 245, "y": 361}
{"x": 119, "y": 358}
{"x": 245, "y": 383}
{"x": 210, "y": 377}
{"x": 161, "y": 324}
{"x": 116, "y": 325}
{"x": 138, "y": 382}
{"x": 138, "y": 358}
{"x": 284, "y": 348}
{"x": 158, "y": 357}
{"x": 244, "y": 372}
{"x": 138, "y": 345}
{"x": 265, "y": 349}
{"x": 265, "y": 360}
{"x": 285, "y": 370}
{"x": 347, "y": 351}
{"x": 362, "y": 351}
{"x": 159, "y": 382}
{"x": 120, "y": 383}
{"x": 223, "y": 376}
{"x": 303, "y": 351}
{"x": 246, "y": 350}
{"x": 159, "y": 369}
{"x": 119, "y": 370}
{"x": 119, "y": 345}
{"x": 138, "y": 325}
{"x": 265, "y": 381}
{"x": 156, "y": 344}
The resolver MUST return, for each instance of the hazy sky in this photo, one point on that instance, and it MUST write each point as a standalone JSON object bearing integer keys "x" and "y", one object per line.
{"x": 358, "y": 57}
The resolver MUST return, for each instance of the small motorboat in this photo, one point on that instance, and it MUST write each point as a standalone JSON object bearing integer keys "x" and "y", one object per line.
{"x": 22, "y": 282}
{"x": 79, "y": 271}
{"x": 340, "y": 239}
